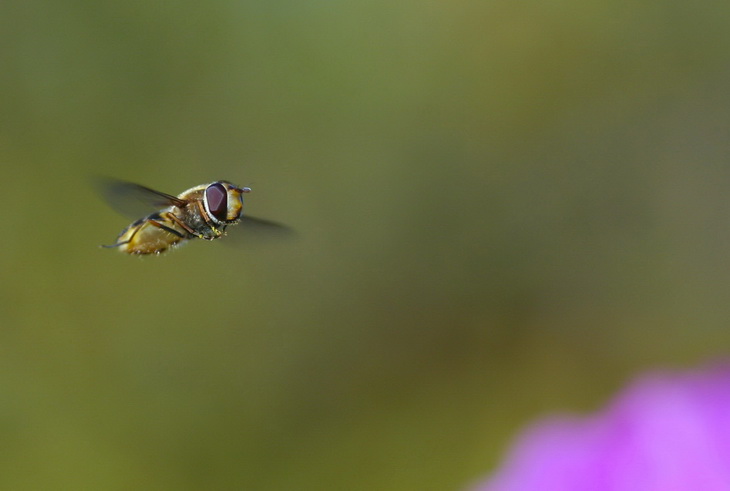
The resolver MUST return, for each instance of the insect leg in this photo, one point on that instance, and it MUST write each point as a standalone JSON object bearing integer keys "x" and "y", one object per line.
{"x": 136, "y": 225}
{"x": 205, "y": 216}
{"x": 182, "y": 224}
{"x": 166, "y": 228}
{"x": 118, "y": 244}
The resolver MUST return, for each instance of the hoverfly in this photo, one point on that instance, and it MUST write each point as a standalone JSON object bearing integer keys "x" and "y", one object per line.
{"x": 201, "y": 212}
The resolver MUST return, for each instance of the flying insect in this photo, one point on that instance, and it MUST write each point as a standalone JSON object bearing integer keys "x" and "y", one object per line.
{"x": 202, "y": 212}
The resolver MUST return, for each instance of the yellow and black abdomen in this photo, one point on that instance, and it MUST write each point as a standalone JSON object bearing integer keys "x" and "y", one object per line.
{"x": 153, "y": 234}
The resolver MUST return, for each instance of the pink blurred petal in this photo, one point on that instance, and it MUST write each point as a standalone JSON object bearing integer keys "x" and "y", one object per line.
{"x": 666, "y": 432}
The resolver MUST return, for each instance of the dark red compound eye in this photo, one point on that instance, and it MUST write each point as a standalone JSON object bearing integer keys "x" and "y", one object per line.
{"x": 217, "y": 198}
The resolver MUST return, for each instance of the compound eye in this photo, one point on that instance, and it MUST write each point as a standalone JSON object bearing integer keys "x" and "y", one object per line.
{"x": 216, "y": 196}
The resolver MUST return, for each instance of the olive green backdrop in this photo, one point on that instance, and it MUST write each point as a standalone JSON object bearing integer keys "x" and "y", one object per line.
{"x": 504, "y": 209}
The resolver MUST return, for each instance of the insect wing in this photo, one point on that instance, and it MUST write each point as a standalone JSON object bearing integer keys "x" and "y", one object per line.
{"x": 260, "y": 226}
{"x": 134, "y": 200}
{"x": 252, "y": 230}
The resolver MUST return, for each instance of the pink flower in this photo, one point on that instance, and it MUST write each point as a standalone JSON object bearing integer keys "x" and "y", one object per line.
{"x": 666, "y": 432}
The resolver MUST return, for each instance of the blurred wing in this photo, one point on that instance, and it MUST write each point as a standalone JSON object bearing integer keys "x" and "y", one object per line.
{"x": 133, "y": 200}
{"x": 252, "y": 229}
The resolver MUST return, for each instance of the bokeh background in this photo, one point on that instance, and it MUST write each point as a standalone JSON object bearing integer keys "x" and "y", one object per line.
{"x": 504, "y": 209}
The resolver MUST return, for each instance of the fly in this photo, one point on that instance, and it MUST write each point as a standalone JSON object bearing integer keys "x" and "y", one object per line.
{"x": 202, "y": 212}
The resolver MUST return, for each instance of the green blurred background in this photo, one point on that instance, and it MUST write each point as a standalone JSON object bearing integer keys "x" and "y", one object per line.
{"x": 504, "y": 209}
